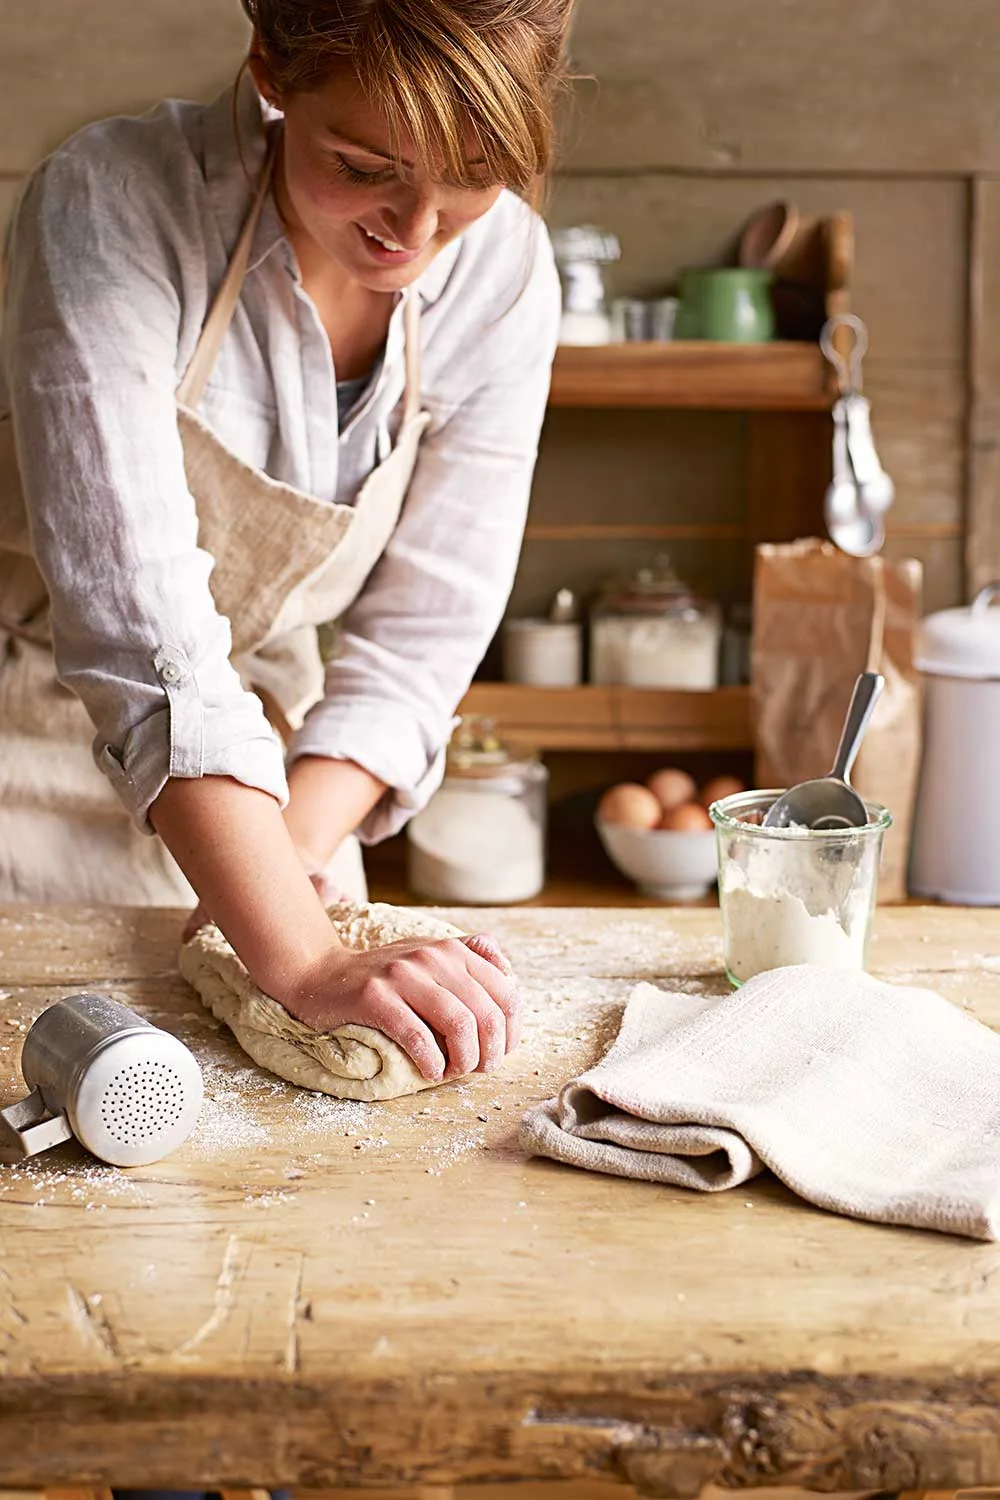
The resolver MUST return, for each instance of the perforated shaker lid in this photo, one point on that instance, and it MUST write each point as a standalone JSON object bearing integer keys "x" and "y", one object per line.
{"x": 963, "y": 642}
{"x": 137, "y": 1099}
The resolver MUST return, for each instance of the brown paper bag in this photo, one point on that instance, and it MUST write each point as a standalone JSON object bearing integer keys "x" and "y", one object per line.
{"x": 820, "y": 618}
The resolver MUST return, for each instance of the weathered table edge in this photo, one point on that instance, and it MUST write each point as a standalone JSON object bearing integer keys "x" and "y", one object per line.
{"x": 820, "y": 1433}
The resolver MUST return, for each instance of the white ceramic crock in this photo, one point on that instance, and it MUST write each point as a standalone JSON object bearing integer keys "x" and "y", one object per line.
{"x": 956, "y": 836}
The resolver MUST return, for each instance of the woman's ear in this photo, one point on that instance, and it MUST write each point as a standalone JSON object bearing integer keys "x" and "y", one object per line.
{"x": 260, "y": 71}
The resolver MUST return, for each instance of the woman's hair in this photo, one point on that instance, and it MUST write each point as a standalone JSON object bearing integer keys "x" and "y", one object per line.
{"x": 437, "y": 67}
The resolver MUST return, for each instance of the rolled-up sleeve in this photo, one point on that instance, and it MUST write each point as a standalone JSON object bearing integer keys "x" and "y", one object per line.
{"x": 410, "y": 644}
{"x": 91, "y": 330}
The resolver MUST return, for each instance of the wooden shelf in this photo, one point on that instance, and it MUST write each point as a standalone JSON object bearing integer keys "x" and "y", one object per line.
{"x": 641, "y": 531}
{"x": 694, "y": 375}
{"x": 616, "y": 718}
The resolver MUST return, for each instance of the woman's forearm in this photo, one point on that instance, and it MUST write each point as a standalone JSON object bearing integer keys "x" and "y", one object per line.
{"x": 232, "y": 843}
{"x": 328, "y": 799}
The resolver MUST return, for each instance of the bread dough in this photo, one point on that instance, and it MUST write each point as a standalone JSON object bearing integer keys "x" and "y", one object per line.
{"x": 350, "y": 1062}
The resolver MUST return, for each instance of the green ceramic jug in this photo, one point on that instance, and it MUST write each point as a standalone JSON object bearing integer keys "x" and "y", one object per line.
{"x": 728, "y": 305}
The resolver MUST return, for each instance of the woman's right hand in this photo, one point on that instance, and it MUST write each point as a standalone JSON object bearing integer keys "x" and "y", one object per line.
{"x": 451, "y": 1004}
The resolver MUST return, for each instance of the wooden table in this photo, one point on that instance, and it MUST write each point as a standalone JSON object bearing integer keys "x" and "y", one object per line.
{"x": 316, "y": 1293}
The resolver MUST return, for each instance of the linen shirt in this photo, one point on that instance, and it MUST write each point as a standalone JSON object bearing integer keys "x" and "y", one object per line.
{"x": 118, "y": 245}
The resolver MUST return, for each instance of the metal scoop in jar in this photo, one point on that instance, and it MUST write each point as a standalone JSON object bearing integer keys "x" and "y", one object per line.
{"x": 830, "y": 801}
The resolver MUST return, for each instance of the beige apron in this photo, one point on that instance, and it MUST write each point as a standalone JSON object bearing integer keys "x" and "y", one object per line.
{"x": 285, "y": 563}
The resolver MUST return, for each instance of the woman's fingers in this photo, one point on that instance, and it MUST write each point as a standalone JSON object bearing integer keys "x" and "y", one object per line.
{"x": 486, "y": 946}
{"x": 388, "y": 1013}
{"x": 328, "y": 891}
{"x": 195, "y": 922}
{"x": 458, "y": 1027}
{"x": 498, "y": 983}
{"x": 490, "y": 1022}
{"x": 427, "y": 986}
{"x": 436, "y": 983}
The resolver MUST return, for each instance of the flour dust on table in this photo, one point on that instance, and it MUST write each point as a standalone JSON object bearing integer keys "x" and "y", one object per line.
{"x": 349, "y": 1062}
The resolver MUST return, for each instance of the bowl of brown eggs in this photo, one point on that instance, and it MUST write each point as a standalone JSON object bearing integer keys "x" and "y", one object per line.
{"x": 660, "y": 835}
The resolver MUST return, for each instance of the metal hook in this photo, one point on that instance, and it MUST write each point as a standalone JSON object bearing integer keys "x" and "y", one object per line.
{"x": 848, "y": 367}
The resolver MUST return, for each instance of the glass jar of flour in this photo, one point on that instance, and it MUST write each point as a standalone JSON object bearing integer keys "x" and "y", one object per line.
{"x": 480, "y": 841}
{"x": 794, "y": 895}
{"x": 652, "y": 631}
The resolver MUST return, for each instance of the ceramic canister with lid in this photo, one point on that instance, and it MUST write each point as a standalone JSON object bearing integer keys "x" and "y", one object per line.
{"x": 480, "y": 841}
{"x": 956, "y": 834}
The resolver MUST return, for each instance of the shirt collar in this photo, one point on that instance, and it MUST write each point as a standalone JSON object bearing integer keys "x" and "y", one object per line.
{"x": 236, "y": 126}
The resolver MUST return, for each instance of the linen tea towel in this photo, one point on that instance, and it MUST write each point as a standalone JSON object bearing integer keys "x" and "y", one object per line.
{"x": 868, "y": 1099}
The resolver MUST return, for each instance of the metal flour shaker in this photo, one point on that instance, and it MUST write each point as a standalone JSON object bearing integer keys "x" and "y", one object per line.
{"x": 129, "y": 1092}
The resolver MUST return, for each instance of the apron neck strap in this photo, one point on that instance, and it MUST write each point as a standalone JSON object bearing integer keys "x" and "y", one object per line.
{"x": 411, "y": 329}
{"x": 198, "y": 372}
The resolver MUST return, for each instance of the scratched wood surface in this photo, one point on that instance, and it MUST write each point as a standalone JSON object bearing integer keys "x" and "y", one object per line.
{"x": 326, "y": 1294}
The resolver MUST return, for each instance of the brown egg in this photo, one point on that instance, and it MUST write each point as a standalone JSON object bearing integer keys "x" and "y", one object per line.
{"x": 671, "y": 787}
{"x": 631, "y": 805}
{"x": 690, "y": 817}
{"x": 718, "y": 788}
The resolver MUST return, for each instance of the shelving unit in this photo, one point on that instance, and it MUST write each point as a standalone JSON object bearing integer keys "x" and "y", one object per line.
{"x": 787, "y": 391}
{"x": 616, "y": 718}
{"x": 786, "y": 388}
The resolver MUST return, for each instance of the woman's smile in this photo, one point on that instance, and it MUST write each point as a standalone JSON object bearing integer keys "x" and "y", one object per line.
{"x": 387, "y": 252}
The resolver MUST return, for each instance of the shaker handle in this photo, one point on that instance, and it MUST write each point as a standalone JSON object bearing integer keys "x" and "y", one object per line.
{"x": 985, "y": 598}
{"x": 31, "y": 1125}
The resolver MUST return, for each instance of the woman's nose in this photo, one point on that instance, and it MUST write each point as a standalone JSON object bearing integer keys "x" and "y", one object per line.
{"x": 414, "y": 219}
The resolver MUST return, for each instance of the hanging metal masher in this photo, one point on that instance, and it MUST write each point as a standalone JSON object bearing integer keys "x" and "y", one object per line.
{"x": 861, "y": 491}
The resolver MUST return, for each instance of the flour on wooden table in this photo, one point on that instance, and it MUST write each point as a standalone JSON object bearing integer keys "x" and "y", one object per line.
{"x": 88, "y": 1185}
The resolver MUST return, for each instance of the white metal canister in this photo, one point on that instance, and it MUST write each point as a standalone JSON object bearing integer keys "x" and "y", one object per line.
{"x": 956, "y": 835}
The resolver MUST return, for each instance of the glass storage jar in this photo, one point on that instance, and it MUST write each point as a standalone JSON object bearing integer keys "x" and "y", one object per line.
{"x": 581, "y": 252}
{"x": 794, "y": 895}
{"x": 480, "y": 841}
{"x": 653, "y": 631}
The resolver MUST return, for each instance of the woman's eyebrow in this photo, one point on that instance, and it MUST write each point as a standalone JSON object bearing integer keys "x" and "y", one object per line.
{"x": 349, "y": 140}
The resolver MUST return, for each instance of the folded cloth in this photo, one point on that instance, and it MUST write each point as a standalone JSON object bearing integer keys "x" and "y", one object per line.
{"x": 868, "y": 1099}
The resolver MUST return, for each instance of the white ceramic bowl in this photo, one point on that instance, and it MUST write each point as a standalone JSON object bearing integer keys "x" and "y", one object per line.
{"x": 664, "y": 865}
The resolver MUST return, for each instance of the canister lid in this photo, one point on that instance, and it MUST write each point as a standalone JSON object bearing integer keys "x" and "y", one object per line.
{"x": 963, "y": 642}
{"x": 478, "y": 753}
{"x": 585, "y": 242}
{"x": 652, "y": 590}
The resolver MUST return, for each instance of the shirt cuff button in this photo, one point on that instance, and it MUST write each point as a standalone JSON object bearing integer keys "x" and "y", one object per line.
{"x": 171, "y": 674}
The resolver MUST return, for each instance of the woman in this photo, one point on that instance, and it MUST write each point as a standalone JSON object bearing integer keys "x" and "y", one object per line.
{"x": 269, "y": 364}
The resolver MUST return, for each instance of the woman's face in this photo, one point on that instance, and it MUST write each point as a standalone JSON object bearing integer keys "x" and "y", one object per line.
{"x": 379, "y": 220}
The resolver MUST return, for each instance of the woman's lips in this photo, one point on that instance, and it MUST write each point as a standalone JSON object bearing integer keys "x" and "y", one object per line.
{"x": 382, "y": 254}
